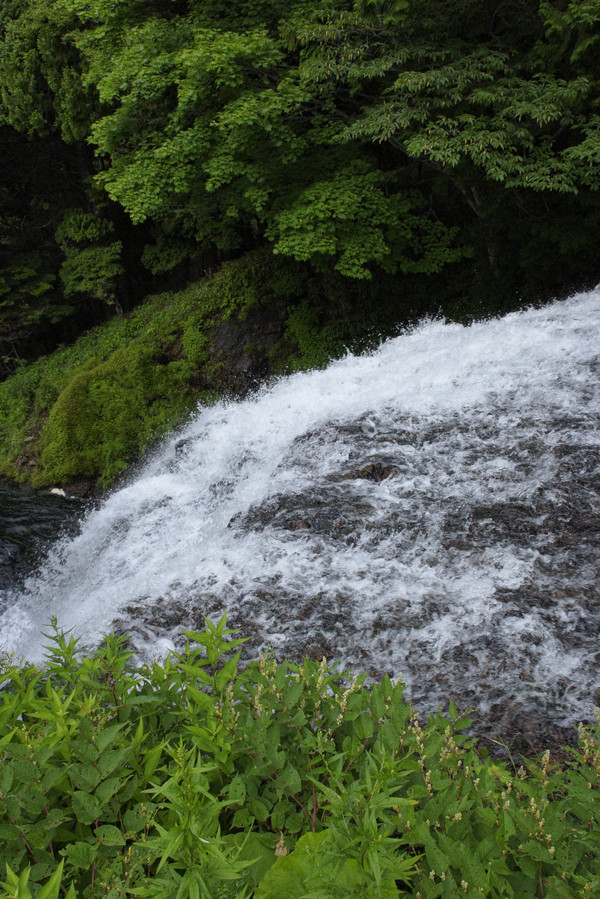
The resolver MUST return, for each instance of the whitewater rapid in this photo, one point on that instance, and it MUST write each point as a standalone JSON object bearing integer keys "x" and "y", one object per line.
{"x": 430, "y": 509}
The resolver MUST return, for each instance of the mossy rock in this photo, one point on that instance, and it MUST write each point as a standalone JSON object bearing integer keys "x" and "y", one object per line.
{"x": 109, "y": 411}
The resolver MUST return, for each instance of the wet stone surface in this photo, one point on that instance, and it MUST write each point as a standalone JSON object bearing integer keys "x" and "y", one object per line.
{"x": 30, "y": 520}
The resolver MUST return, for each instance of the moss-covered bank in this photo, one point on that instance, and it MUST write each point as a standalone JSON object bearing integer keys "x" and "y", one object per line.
{"x": 88, "y": 410}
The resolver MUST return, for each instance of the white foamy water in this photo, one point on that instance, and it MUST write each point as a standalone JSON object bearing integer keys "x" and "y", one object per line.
{"x": 430, "y": 508}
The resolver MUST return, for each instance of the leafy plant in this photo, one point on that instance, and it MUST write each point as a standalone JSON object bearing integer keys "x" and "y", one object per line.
{"x": 190, "y": 777}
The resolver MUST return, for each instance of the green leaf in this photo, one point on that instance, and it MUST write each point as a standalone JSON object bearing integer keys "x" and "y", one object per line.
{"x": 259, "y": 809}
{"x": 108, "y": 736}
{"x": 292, "y": 694}
{"x": 152, "y": 758}
{"x": 81, "y": 855}
{"x": 290, "y": 778}
{"x": 110, "y": 760}
{"x": 509, "y": 824}
{"x": 51, "y": 890}
{"x": 256, "y": 849}
{"x": 389, "y": 736}
{"x": 85, "y": 752}
{"x": 227, "y": 673}
{"x": 84, "y": 777}
{"x": 9, "y": 832}
{"x": 109, "y": 835}
{"x": 316, "y": 869}
{"x": 134, "y": 819}
{"x": 108, "y": 788}
{"x": 243, "y": 818}
{"x": 363, "y": 726}
{"x": 86, "y": 807}
{"x": 25, "y": 771}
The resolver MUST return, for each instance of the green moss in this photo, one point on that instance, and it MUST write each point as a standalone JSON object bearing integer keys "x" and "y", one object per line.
{"x": 109, "y": 412}
{"x": 317, "y": 341}
{"x": 92, "y": 408}
{"x": 196, "y": 344}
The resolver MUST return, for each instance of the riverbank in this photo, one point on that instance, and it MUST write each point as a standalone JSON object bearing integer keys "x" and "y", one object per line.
{"x": 80, "y": 417}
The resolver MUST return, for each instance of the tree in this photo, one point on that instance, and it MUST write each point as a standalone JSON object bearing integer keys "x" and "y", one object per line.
{"x": 214, "y": 131}
{"x": 363, "y": 137}
{"x": 56, "y": 276}
{"x": 362, "y": 134}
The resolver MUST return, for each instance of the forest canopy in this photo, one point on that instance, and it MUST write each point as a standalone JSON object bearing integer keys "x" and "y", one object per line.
{"x": 144, "y": 139}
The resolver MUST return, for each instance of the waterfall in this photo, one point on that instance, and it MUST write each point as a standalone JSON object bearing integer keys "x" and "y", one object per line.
{"x": 430, "y": 508}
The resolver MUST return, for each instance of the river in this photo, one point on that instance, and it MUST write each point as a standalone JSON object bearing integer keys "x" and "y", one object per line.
{"x": 429, "y": 509}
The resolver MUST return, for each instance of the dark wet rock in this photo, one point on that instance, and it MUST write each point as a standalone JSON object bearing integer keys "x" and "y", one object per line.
{"x": 316, "y": 647}
{"x": 241, "y": 346}
{"x": 182, "y": 445}
{"x": 30, "y": 521}
{"x": 367, "y": 430}
{"x": 485, "y": 524}
{"x": 325, "y": 512}
{"x": 510, "y": 727}
{"x": 513, "y": 731}
{"x": 373, "y": 471}
{"x": 83, "y": 488}
{"x": 555, "y": 524}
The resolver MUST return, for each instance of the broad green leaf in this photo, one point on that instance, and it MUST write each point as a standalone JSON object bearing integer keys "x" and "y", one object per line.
{"x": 112, "y": 759}
{"x": 108, "y": 736}
{"x": 84, "y": 777}
{"x": 108, "y": 788}
{"x": 86, "y": 807}
{"x": 363, "y": 726}
{"x": 134, "y": 819}
{"x": 81, "y": 854}
{"x": 259, "y": 809}
{"x": 109, "y": 835}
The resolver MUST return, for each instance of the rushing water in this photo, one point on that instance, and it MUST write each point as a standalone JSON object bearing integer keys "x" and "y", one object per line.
{"x": 430, "y": 509}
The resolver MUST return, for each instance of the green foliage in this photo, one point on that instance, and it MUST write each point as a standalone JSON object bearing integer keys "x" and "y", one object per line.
{"x": 92, "y": 265}
{"x": 45, "y": 117}
{"x": 191, "y": 777}
{"x": 332, "y": 128}
{"x": 208, "y": 132}
{"x": 317, "y": 342}
{"x": 354, "y": 219}
{"x": 41, "y": 88}
{"x": 22, "y": 280}
{"x": 454, "y": 148}
{"x": 30, "y": 301}
{"x": 110, "y": 411}
{"x": 93, "y": 270}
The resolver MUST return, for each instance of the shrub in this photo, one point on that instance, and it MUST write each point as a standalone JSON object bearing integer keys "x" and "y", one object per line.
{"x": 191, "y": 778}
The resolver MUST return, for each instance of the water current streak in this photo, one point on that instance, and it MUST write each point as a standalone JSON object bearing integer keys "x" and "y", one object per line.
{"x": 430, "y": 509}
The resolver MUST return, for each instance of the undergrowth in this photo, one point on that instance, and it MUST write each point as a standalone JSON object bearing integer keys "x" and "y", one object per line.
{"x": 191, "y": 778}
